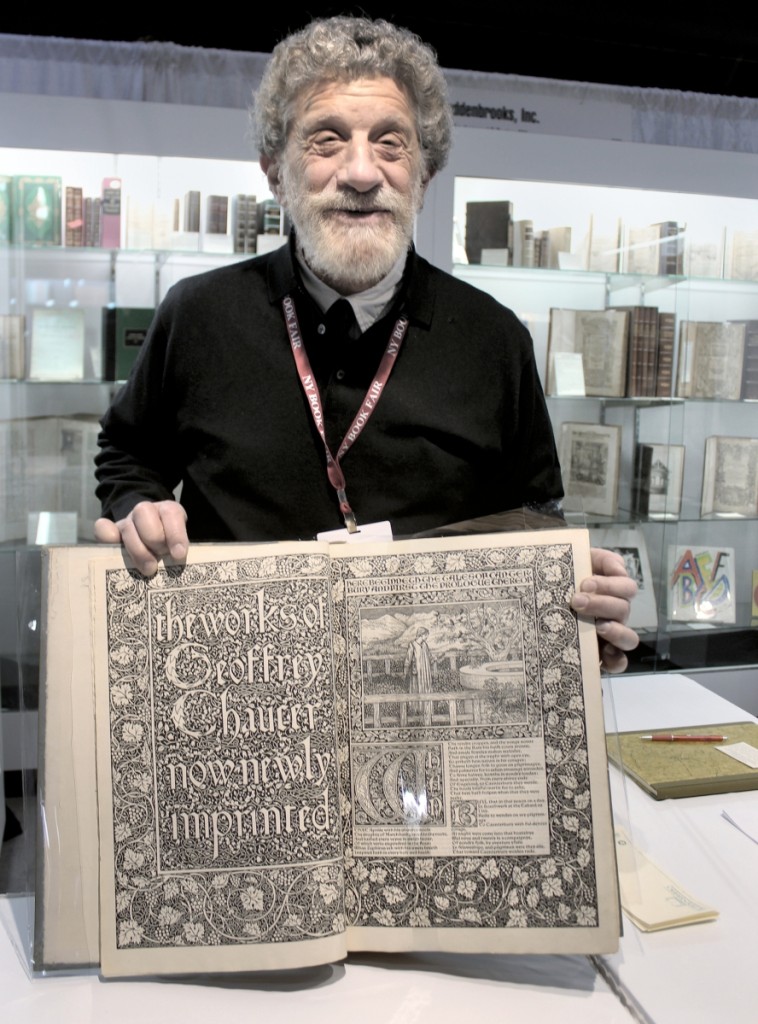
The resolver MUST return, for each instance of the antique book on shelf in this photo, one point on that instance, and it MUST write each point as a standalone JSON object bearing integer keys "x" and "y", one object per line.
{"x": 110, "y": 214}
{"x": 192, "y": 211}
{"x": 704, "y": 258}
{"x": 12, "y": 353}
{"x": 73, "y": 217}
{"x": 657, "y": 249}
{"x": 658, "y": 479}
{"x": 553, "y": 242}
{"x": 671, "y": 248}
{"x": 57, "y": 344}
{"x": 701, "y": 584}
{"x": 488, "y": 226}
{"x": 600, "y": 336}
{"x": 603, "y": 248}
{"x": 640, "y": 253}
{"x": 37, "y": 210}
{"x": 589, "y": 455}
{"x": 217, "y": 215}
{"x": 124, "y": 331}
{"x": 92, "y": 221}
{"x": 245, "y": 223}
{"x": 743, "y": 262}
{"x": 643, "y": 350}
{"x": 304, "y": 750}
{"x": 523, "y": 243}
{"x": 730, "y": 477}
{"x": 710, "y": 359}
{"x": 664, "y": 372}
{"x": 668, "y": 771}
{"x": 630, "y": 544}
{"x": 750, "y": 362}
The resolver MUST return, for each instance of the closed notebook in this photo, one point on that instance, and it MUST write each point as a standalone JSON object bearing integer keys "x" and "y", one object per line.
{"x": 670, "y": 770}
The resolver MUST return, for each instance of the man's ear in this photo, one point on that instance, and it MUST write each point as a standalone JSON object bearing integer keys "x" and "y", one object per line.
{"x": 270, "y": 167}
{"x": 422, "y": 196}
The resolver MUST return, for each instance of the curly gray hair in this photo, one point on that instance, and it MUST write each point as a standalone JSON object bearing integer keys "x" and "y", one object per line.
{"x": 344, "y": 49}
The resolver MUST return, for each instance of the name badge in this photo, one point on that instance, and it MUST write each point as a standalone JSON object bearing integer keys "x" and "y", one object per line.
{"x": 365, "y": 532}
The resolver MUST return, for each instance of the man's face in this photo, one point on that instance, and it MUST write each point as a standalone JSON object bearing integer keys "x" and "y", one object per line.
{"x": 351, "y": 177}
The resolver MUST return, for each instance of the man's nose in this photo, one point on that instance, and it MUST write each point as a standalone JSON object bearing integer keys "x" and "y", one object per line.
{"x": 360, "y": 169}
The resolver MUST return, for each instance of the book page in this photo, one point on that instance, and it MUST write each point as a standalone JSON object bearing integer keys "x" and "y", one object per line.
{"x": 220, "y": 844}
{"x": 476, "y": 803}
{"x": 451, "y": 793}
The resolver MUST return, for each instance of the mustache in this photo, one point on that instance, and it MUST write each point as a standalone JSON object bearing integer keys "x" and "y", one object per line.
{"x": 351, "y": 201}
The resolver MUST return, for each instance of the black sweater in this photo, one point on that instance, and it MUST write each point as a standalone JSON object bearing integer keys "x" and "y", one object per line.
{"x": 214, "y": 401}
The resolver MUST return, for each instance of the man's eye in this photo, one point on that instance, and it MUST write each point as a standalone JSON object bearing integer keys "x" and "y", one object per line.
{"x": 392, "y": 145}
{"x": 326, "y": 138}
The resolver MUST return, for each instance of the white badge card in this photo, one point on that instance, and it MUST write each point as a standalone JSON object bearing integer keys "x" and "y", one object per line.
{"x": 365, "y": 532}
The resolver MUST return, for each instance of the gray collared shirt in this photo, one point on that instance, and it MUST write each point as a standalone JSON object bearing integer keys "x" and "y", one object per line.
{"x": 369, "y": 305}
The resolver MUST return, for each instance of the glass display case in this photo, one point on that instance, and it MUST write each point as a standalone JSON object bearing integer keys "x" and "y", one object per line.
{"x": 643, "y": 307}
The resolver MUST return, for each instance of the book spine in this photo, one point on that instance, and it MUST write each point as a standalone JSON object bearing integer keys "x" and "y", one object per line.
{"x": 217, "y": 215}
{"x": 192, "y": 211}
{"x": 74, "y": 220}
{"x": 245, "y": 223}
{"x": 664, "y": 377}
{"x": 750, "y": 364}
{"x": 650, "y": 321}
{"x": 635, "y": 350}
{"x": 110, "y": 214}
{"x": 92, "y": 208}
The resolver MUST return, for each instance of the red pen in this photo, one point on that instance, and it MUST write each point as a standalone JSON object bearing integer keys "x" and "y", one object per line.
{"x": 671, "y": 737}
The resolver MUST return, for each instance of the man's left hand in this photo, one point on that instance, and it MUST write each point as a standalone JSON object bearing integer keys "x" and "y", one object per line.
{"x": 605, "y": 596}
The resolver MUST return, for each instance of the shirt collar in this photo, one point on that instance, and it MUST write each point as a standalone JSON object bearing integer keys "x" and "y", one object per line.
{"x": 369, "y": 305}
{"x": 422, "y": 281}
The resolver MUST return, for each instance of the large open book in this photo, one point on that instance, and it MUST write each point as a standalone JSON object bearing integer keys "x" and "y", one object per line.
{"x": 304, "y": 750}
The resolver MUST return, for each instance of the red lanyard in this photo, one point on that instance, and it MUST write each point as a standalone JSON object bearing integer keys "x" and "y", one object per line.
{"x": 313, "y": 395}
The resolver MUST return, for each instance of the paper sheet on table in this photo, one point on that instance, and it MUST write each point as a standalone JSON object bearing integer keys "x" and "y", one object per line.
{"x": 745, "y": 819}
{"x": 649, "y": 897}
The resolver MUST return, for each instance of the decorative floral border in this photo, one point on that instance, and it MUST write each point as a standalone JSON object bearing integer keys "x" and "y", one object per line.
{"x": 554, "y": 891}
{"x": 194, "y": 908}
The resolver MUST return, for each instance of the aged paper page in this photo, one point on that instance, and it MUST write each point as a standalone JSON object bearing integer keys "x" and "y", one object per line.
{"x": 67, "y": 929}
{"x": 217, "y": 770}
{"x": 469, "y": 702}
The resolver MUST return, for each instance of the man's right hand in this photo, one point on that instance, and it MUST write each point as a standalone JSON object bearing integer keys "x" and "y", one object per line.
{"x": 151, "y": 530}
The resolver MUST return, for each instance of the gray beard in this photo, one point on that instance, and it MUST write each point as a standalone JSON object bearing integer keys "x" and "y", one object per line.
{"x": 350, "y": 257}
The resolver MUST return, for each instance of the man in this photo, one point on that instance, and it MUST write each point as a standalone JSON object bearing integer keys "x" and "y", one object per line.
{"x": 278, "y": 409}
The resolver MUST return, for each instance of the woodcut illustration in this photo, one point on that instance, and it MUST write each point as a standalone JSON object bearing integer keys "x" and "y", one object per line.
{"x": 730, "y": 477}
{"x": 589, "y": 455}
{"x": 305, "y": 749}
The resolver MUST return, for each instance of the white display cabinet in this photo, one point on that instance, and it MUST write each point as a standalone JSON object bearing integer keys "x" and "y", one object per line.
{"x": 48, "y": 427}
{"x": 712, "y": 228}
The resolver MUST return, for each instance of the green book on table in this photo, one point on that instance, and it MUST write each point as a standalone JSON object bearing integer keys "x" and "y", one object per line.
{"x": 670, "y": 770}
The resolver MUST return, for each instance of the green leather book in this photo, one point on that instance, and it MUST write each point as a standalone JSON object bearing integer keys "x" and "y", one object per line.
{"x": 37, "y": 217}
{"x": 670, "y": 770}
{"x": 124, "y": 331}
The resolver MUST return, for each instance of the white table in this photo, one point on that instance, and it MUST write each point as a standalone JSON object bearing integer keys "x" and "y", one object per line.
{"x": 703, "y": 972}
{"x": 432, "y": 988}
{"x": 699, "y": 973}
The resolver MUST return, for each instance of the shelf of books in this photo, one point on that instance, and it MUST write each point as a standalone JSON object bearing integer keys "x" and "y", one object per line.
{"x": 89, "y": 245}
{"x": 643, "y": 307}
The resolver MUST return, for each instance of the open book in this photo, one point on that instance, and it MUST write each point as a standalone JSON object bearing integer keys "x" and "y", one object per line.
{"x": 308, "y": 749}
